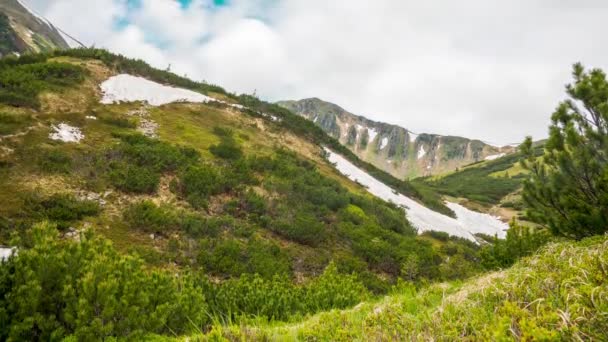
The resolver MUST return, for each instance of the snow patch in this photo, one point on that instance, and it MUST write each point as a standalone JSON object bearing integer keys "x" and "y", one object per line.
{"x": 478, "y": 222}
{"x": 384, "y": 143}
{"x": 495, "y": 156}
{"x": 345, "y": 131}
{"x": 421, "y": 217}
{"x": 413, "y": 136}
{"x": 421, "y": 152}
{"x": 131, "y": 88}
{"x": 372, "y": 133}
{"x": 90, "y": 117}
{"x": 66, "y": 133}
{"x": 6, "y": 252}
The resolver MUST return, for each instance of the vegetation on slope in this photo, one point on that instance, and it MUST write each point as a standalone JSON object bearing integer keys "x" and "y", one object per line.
{"x": 83, "y": 288}
{"x": 233, "y": 225}
{"x": 22, "y": 80}
{"x": 559, "y": 294}
{"x": 8, "y": 37}
{"x": 230, "y": 221}
{"x": 288, "y": 120}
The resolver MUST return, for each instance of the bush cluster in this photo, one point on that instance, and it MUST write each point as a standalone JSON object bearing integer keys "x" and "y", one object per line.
{"x": 138, "y": 162}
{"x": 56, "y": 288}
{"x": 20, "y": 84}
{"x": 62, "y": 209}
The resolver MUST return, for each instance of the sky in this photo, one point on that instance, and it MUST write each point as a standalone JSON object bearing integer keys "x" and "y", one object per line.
{"x": 487, "y": 69}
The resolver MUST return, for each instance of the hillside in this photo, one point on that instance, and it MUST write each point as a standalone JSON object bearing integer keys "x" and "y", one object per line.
{"x": 22, "y": 31}
{"x": 540, "y": 298}
{"x": 491, "y": 186}
{"x": 235, "y": 192}
{"x": 392, "y": 148}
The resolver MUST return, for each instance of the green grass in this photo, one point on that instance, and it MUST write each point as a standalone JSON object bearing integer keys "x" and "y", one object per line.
{"x": 486, "y": 182}
{"x": 561, "y": 293}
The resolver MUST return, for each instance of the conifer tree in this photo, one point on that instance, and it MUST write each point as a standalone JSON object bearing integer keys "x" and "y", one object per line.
{"x": 568, "y": 187}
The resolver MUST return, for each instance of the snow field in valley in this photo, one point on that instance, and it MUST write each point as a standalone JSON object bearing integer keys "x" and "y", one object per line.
{"x": 466, "y": 223}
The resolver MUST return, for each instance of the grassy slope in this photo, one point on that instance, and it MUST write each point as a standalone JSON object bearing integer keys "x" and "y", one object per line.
{"x": 559, "y": 294}
{"x": 479, "y": 182}
{"x": 27, "y": 146}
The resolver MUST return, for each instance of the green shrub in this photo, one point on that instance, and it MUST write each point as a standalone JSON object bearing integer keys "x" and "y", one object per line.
{"x": 10, "y": 123}
{"x": 157, "y": 155}
{"x": 198, "y": 226}
{"x": 117, "y": 120}
{"x": 63, "y": 209}
{"x": 21, "y": 84}
{"x": 303, "y": 228}
{"x": 333, "y": 290}
{"x": 567, "y": 190}
{"x": 521, "y": 241}
{"x": 232, "y": 258}
{"x": 138, "y": 162}
{"x": 278, "y": 298}
{"x": 198, "y": 183}
{"x": 86, "y": 291}
{"x": 55, "y": 161}
{"x": 133, "y": 178}
{"x": 149, "y": 217}
{"x": 228, "y": 148}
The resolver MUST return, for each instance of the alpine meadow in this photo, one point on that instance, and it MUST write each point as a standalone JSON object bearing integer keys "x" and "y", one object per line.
{"x": 138, "y": 203}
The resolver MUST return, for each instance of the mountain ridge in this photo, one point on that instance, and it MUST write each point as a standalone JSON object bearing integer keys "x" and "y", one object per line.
{"x": 393, "y": 148}
{"x": 24, "y": 31}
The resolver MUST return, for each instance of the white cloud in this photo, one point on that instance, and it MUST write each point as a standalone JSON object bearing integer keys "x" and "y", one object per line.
{"x": 486, "y": 69}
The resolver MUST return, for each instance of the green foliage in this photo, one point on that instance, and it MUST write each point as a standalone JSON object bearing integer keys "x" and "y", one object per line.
{"x": 521, "y": 241}
{"x": 21, "y": 84}
{"x": 61, "y": 209}
{"x": 198, "y": 183}
{"x": 476, "y": 182}
{"x": 279, "y": 299}
{"x": 154, "y": 154}
{"x": 117, "y": 120}
{"x": 557, "y": 295}
{"x": 55, "y": 160}
{"x": 84, "y": 290}
{"x": 138, "y": 162}
{"x": 568, "y": 187}
{"x": 57, "y": 288}
{"x": 303, "y": 228}
{"x": 232, "y": 257}
{"x": 133, "y": 178}
{"x": 10, "y": 123}
{"x": 228, "y": 148}
{"x": 309, "y": 130}
{"x": 151, "y": 218}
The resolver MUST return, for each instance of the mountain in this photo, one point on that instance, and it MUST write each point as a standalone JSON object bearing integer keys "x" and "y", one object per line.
{"x": 22, "y": 31}
{"x": 392, "y": 148}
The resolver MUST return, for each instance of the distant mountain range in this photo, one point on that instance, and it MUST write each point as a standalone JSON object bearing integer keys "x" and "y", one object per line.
{"x": 22, "y": 31}
{"x": 395, "y": 149}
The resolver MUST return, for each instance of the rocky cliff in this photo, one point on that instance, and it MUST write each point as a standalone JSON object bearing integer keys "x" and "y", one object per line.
{"x": 395, "y": 149}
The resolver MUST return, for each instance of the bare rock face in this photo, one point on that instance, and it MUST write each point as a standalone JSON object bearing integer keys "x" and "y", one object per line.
{"x": 22, "y": 30}
{"x": 392, "y": 148}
